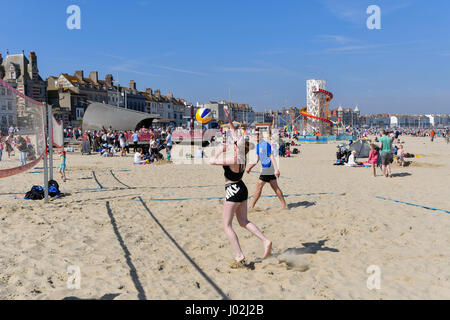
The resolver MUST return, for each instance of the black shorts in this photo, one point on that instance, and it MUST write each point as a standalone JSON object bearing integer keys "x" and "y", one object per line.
{"x": 267, "y": 178}
{"x": 236, "y": 192}
{"x": 386, "y": 158}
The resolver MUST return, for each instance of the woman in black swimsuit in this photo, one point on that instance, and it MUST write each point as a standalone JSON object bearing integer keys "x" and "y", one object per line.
{"x": 237, "y": 194}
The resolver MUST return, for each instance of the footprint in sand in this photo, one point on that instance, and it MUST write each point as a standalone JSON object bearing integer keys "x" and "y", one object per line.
{"x": 242, "y": 265}
{"x": 293, "y": 262}
{"x": 253, "y": 210}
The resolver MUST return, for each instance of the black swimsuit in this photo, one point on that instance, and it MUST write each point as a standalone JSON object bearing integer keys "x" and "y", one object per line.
{"x": 237, "y": 191}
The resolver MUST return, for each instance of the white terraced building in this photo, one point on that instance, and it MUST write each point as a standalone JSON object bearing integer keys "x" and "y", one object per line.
{"x": 8, "y": 110}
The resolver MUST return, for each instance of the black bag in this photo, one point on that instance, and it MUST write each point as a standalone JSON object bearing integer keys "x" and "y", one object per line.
{"x": 53, "y": 188}
{"x": 295, "y": 151}
{"x": 53, "y": 183}
{"x": 36, "y": 193}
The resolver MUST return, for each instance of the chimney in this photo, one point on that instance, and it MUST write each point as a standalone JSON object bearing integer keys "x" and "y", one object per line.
{"x": 132, "y": 85}
{"x": 109, "y": 80}
{"x": 149, "y": 91}
{"x": 79, "y": 74}
{"x": 33, "y": 65}
{"x": 94, "y": 76}
{"x": 170, "y": 95}
{"x": 158, "y": 93}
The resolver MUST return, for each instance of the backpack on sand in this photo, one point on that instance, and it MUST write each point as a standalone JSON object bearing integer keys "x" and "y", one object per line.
{"x": 36, "y": 193}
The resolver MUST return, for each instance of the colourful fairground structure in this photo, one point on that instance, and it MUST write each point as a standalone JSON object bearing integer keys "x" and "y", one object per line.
{"x": 316, "y": 123}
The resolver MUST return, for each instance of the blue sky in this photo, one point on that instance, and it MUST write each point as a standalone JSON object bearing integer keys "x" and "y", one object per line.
{"x": 261, "y": 51}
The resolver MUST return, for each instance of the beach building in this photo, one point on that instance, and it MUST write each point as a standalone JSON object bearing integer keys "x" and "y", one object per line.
{"x": 70, "y": 95}
{"x": 263, "y": 117}
{"x": 409, "y": 121}
{"x": 348, "y": 116}
{"x": 8, "y": 110}
{"x": 22, "y": 73}
{"x": 439, "y": 120}
{"x": 217, "y": 109}
{"x": 172, "y": 110}
{"x": 240, "y": 112}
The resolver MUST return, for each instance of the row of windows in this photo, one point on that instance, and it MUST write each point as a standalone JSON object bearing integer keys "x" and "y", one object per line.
{"x": 9, "y": 106}
{"x": 5, "y": 92}
{"x": 8, "y": 120}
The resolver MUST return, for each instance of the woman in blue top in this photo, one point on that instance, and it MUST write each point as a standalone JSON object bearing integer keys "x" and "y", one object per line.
{"x": 237, "y": 194}
{"x": 269, "y": 171}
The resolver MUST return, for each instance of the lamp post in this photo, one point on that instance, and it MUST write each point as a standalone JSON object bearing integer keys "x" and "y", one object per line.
{"x": 118, "y": 94}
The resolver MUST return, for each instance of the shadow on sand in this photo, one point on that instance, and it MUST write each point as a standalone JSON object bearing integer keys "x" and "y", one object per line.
{"x": 310, "y": 248}
{"x": 401, "y": 174}
{"x": 108, "y": 296}
{"x": 305, "y": 204}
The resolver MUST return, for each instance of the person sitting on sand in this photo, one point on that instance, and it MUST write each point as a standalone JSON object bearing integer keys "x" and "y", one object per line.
{"x": 288, "y": 153}
{"x": 106, "y": 152}
{"x": 352, "y": 160}
{"x": 138, "y": 157}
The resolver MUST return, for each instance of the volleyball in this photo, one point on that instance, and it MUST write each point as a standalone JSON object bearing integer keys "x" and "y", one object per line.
{"x": 203, "y": 115}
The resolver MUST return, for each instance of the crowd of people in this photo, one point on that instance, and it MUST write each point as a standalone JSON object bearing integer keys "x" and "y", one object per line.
{"x": 413, "y": 132}
{"x": 386, "y": 149}
{"x": 109, "y": 142}
{"x": 12, "y": 142}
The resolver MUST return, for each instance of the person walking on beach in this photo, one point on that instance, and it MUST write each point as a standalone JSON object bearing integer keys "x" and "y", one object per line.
{"x": 432, "y": 134}
{"x": 386, "y": 154}
{"x": 8, "y": 146}
{"x": 1, "y": 147}
{"x": 169, "y": 143}
{"x": 269, "y": 170}
{"x": 123, "y": 145}
{"x": 22, "y": 147}
{"x": 62, "y": 167}
{"x": 237, "y": 195}
{"x": 373, "y": 158}
{"x": 135, "y": 138}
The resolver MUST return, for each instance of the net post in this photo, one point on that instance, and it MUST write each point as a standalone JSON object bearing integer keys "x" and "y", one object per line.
{"x": 46, "y": 159}
{"x": 50, "y": 144}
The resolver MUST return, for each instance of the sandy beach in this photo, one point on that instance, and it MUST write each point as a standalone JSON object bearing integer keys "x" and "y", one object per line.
{"x": 122, "y": 226}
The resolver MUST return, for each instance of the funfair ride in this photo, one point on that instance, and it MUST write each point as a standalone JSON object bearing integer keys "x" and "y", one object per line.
{"x": 317, "y": 107}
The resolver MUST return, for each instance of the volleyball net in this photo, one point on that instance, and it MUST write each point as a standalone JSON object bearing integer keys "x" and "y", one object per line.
{"x": 22, "y": 131}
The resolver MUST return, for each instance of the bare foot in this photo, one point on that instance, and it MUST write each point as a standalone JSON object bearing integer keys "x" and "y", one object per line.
{"x": 285, "y": 208}
{"x": 267, "y": 248}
